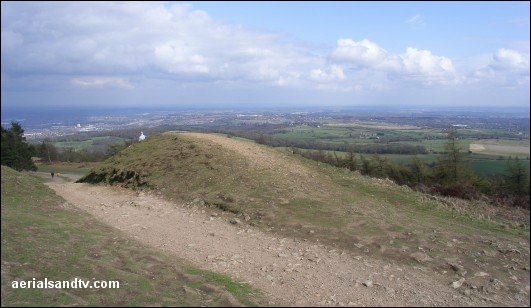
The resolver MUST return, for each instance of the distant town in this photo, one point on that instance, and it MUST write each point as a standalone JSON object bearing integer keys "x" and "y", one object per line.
{"x": 508, "y": 125}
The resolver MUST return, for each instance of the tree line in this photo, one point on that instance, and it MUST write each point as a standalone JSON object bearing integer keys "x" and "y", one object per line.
{"x": 17, "y": 153}
{"x": 451, "y": 175}
{"x": 372, "y": 148}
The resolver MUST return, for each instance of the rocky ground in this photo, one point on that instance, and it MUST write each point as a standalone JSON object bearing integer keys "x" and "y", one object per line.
{"x": 289, "y": 271}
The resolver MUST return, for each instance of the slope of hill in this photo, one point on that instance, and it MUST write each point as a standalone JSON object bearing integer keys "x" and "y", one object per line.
{"x": 43, "y": 237}
{"x": 300, "y": 198}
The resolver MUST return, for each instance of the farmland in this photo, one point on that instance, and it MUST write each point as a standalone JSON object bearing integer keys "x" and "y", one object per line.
{"x": 486, "y": 156}
{"x": 91, "y": 144}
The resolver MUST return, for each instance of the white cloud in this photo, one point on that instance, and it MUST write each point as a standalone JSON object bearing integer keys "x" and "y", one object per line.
{"x": 335, "y": 73}
{"x": 100, "y": 82}
{"x": 143, "y": 38}
{"x": 363, "y": 53}
{"x": 507, "y": 59}
{"x": 428, "y": 67}
{"x": 416, "y": 21}
{"x": 506, "y": 67}
{"x": 414, "y": 63}
{"x": 100, "y": 42}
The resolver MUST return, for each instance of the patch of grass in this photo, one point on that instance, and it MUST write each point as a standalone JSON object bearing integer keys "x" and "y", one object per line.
{"x": 241, "y": 291}
{"x": 43, "y": 238}
{"x": 64, "y": 167}
{"x": 91, "y": 143}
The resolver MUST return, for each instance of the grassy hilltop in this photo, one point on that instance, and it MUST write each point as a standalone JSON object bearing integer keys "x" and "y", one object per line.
{"x": 42, "y": 237}
{"x": 297, "y": 197}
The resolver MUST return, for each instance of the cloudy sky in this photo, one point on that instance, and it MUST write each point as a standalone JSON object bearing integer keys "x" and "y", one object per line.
{"x": 265, "y": 54}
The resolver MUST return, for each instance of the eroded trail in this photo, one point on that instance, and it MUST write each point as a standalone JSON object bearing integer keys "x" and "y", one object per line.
{"x": 288, "y": 271}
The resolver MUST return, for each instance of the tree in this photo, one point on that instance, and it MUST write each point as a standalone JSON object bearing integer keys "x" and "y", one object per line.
{"x": 419, "y": 170}
{"x": 518, "y": 178}
{"x": 352, "y": 161}
{"x": 380, "y": 165}
{"x": 16, "y": 153}
{"x": 46, "y": 150}
{"x": 366, "y": 166}
{"x": 451, "y": 165}
{"x": 261, "y": 139}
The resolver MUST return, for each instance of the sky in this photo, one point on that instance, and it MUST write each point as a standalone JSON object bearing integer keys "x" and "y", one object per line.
{"x": 139, "y": 54}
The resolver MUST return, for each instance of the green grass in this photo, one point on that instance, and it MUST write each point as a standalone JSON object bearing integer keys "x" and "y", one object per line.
{"x": 43, "y": 239}
{"x": 86, "y": 144}
{"x": 73, "y": 168}
{"x": 484, "y": 163}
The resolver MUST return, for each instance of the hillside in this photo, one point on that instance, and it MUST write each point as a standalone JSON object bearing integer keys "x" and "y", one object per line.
{"x": 44, "y": 237}
{"x": 295, "y": 197}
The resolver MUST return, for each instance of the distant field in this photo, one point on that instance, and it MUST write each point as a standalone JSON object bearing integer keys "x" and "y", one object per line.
{"x": 356, "y": 134}
{"x": 485, "y": 158}
{"x": 94, "y": 142}
{"x": 375, "y": 125}
{"x": 482, "y": 164}
{"x": 502, "y": 147}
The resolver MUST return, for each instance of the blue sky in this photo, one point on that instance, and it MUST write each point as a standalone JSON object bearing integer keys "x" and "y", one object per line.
{"x": 457, "y": 29}
{"x": 265, "y": 53}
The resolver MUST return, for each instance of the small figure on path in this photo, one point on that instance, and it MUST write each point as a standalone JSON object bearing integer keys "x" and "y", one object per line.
{"x": 52, "y": 173}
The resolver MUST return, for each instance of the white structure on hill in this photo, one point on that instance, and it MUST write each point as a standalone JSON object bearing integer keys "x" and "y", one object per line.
{"x": 142, "y": 136}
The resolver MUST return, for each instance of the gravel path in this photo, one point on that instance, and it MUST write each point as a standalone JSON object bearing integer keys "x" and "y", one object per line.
{"x": 289, "y": 272}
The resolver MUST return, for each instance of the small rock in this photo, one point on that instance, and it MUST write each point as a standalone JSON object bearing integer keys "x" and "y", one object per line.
{"x": 367, "y": 283}
{"x": 235, "y": 221}
{"x": 458, "y": 283}
{"x": 496, "y": 284}
{"x": 421, "y": 257}
{"x": 359, "y": 245}
{"x": 459, "y": 269}
{"x": 481, "y": 274}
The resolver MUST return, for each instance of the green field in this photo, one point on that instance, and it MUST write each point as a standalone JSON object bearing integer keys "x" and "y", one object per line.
{"x": 485, "y": 165}
{"x": 484, "y": 161}
{"x": 362, "y": 135}
{"x": 44, "y": 238}
{"x": 89, "y": 143}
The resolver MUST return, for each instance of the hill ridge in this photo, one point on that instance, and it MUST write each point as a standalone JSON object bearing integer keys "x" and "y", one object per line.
{"x": 324, "y": 204}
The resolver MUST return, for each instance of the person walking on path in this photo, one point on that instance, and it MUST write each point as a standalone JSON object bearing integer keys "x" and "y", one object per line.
{"x": 53, "y": 173}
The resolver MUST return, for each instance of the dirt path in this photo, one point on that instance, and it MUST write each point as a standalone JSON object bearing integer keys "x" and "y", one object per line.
{"x": 290, "y": 272}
